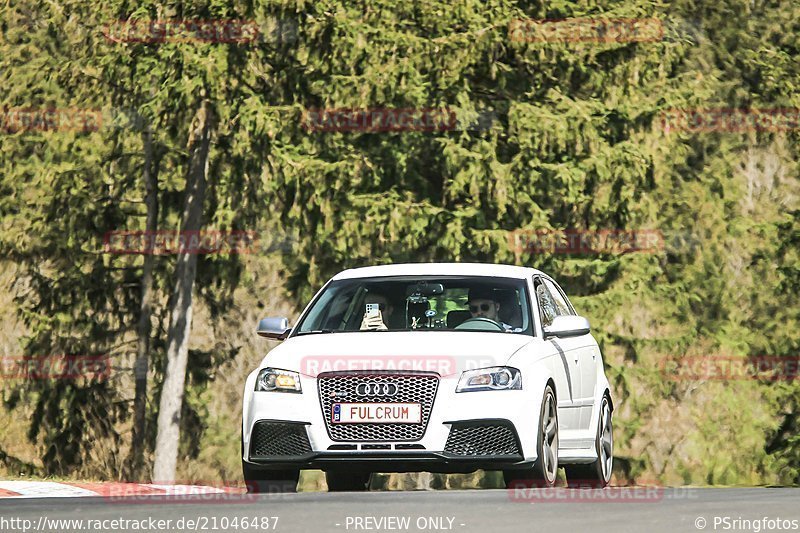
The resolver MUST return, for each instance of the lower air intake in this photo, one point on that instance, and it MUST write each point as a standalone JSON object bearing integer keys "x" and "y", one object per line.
{"x": 276, "y": 439}
{"x": 482, "y": 439}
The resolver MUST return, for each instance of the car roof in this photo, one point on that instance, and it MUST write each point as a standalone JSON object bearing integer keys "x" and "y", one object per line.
{"x": 440, "y": 269}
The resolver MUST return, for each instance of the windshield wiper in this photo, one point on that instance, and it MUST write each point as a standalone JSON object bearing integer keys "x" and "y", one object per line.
{"x": 315, "y": 331}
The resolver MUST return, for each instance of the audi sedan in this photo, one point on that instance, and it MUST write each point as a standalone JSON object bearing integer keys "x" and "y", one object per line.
{"x": 443, "y": 368}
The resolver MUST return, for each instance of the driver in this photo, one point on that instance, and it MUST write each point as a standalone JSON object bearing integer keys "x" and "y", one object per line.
{"x": 482, "y": 304}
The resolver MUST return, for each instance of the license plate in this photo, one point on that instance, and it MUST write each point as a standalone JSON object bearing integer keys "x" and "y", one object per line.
{"x": 377, "y": 413}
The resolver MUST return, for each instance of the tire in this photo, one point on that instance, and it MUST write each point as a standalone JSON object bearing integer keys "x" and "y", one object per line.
{"x": 339, "y": 481}
{"x": 545, "y": 470}
{"x": 598, "y": 473}
{"x": 269, "y": 481}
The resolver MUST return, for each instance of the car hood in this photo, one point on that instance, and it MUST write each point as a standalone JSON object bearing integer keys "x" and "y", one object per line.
{"x": 442, "y": 352}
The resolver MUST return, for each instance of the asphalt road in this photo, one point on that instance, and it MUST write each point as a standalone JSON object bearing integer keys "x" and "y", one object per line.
{"x": 467, "y": 511}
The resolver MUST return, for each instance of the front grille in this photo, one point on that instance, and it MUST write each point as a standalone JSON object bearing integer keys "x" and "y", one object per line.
{"x": 273, "y": 439}
{"x": 484, "y": 438}
{"x": 412, "y": 387}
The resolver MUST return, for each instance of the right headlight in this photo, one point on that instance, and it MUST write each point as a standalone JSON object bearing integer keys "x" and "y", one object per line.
{"x": 277, "y": 380}
{"x": 492, "y": 378}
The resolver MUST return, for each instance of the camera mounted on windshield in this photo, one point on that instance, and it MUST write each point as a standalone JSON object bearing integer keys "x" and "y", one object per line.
{"x": 418, "y": 311}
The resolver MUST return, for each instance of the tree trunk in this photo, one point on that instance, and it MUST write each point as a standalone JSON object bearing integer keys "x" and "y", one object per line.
{"x": 169, "y": 414}
{"x": 150, "y": 176}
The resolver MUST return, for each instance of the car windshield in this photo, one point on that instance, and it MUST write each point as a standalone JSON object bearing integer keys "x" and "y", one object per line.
{"x": 417, "y": 303}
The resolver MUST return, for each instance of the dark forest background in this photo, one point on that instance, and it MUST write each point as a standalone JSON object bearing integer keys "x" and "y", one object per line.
{"x": 576, "y": 139}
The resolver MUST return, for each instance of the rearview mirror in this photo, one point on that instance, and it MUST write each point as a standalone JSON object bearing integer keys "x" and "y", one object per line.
{"x": 423, "y": 288}
{"x": 567, "y": 326}
{"x": 274, "y": 328}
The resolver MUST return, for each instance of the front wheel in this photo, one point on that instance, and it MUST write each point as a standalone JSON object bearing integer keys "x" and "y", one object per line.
{"x": 545, "y": 468}
{"x": 267, "y": 481}
{"x": 339, "y": 481}
{"x": 598, "y": 473}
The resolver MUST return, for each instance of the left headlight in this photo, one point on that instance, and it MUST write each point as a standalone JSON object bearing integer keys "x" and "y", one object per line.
{"x": 492, "y": 378}
{"x": 277, "y": 380}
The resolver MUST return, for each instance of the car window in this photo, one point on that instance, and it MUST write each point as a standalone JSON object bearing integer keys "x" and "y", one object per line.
{"x": 562, "y": 307}
{"x": 547, "y": 306}
{"x": 332, "y": 308}
{"x": 421, "y": 303}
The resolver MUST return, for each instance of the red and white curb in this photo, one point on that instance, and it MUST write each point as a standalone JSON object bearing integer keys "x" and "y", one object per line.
{"x": 52, "y": 489}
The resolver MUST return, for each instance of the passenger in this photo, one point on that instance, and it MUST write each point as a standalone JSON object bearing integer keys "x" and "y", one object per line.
{"x": 385, "y": 310}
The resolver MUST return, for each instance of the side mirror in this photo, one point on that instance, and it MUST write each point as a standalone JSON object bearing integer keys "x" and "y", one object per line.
{"x": 567, "y": 326}
{"x": 274, "y": 328}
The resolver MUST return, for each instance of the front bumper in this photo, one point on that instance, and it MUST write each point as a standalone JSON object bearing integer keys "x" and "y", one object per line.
{"x": 437, "y": 462}
{"x": 465, "y": 432}
{"x": 471, "y": 445}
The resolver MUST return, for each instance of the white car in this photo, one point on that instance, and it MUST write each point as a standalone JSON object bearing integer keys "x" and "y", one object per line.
{"x": 443, "y": 367}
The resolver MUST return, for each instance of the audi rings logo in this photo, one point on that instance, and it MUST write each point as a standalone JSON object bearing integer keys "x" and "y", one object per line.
{"x": 376, "y": 389}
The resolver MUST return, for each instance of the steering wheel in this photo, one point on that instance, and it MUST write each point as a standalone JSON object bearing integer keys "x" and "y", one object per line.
{"x": 481, "y": 324}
